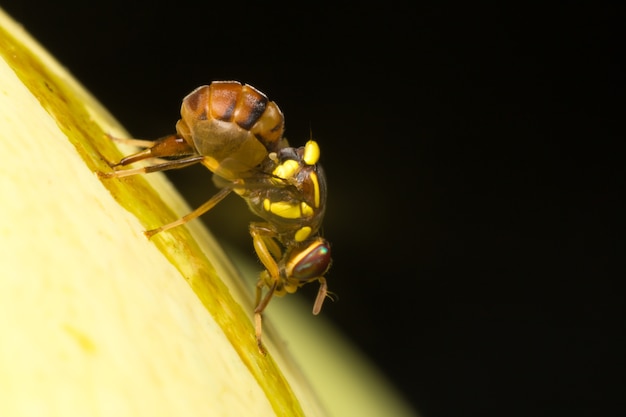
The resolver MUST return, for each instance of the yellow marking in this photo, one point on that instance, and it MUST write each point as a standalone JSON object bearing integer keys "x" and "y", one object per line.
{"x": 305, "y": 209}
{"x": 316, "y": 189}
{"x": 287, "y": 169}
{"x": 302, "y": 233}
{"x": 311, "y": 153}
{"x": 286, "y": 210}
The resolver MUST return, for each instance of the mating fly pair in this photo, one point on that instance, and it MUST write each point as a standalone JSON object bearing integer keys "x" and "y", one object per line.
{"x": 237, "y": 133}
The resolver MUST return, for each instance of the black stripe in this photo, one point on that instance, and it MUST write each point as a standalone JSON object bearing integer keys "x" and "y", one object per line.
{"x": 256, "y": 109}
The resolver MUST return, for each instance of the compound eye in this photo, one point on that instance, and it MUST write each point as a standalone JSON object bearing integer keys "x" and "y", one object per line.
{"x": 311, "y": 262}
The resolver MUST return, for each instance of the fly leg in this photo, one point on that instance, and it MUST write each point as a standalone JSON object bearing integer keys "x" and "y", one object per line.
{"x": 268, "y": 252}
{"x": 212, "y": 202}
{"x": 171, "y": 146}
{"x": 184, "y": 155}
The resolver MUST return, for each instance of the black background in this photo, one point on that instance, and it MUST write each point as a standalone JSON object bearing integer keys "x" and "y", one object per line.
{"x": 473, "y": 159}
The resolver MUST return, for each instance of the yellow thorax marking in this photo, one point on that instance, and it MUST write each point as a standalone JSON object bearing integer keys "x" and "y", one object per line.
{"x": 316, "y": 189}
{"x": 302, "y": 233}
{"x": 287, "y": 169}
{"x": 288, "y": 210}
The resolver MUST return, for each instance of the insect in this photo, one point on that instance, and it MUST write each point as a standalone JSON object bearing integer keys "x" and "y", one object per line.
{"x": 237, "y": 133}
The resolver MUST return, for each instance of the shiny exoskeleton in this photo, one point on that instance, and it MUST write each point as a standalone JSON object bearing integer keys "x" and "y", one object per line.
{"x": 237, "y": 133}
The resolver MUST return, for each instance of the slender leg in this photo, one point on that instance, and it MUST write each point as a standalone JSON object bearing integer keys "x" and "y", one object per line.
{"x": 167, "y": 146}
{"x": 268, "y": 252}
{"x": 266, "y": 248}
{"x": 258, "y": 313}
{"x": 260, "y": 307}
{"x": 321, "y": 295}
{"x": 221, "y": 194}
{"x": 178, "y": 163}
{"x": 258, "y": 326}
{"x": 170, "y": 146}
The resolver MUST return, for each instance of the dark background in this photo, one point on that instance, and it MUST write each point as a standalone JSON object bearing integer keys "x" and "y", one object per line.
{"x": 473, "y": 159}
